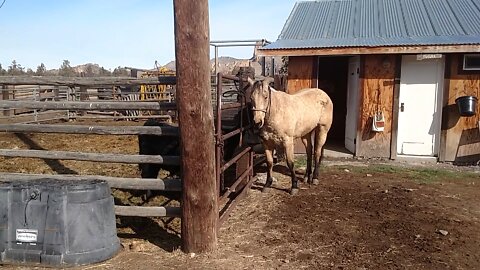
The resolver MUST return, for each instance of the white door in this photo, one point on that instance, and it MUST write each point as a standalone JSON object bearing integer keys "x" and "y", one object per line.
{"x": 419, "y": 114}
{"x": 352, "y": 103}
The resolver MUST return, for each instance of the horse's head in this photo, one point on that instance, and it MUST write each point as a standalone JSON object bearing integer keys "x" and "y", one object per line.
{"x": 260, "y": 99}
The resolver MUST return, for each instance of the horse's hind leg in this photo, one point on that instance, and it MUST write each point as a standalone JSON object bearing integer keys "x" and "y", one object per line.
{"x": 320, "y": 138}
{"x": 307, "y": 142}
{"x": 269, "y": 157}
{"x": 289, "y": 147}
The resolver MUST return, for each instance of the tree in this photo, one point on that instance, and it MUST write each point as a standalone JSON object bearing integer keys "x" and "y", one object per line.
{"x": 15, "y": 69}
{"x": 104, "y": 72}
{"x": 41, "y": 70}
{"x": 89, "y": 71}
{"x": 119, "y": 72}
{"x": 284, "y": 69}
{"x": 66, "y": 70}
{"x": 2, "y": 71}
{"x": 30, "y": 72}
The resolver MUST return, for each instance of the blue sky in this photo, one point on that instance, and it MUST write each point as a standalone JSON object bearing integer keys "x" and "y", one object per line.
{"x": 131, "y": 33}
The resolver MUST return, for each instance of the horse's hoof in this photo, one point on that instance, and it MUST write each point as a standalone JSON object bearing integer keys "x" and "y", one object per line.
{"x": 266, "y": 190}
{"x": 294, "y": 191}
{"x": 315, "y": 182}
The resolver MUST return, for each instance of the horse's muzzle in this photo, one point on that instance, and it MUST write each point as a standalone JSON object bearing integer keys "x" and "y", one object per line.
{"x": 259, "y": 125}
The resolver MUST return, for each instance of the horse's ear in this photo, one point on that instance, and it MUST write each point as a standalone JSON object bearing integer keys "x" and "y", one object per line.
{"x": 250, "y": 81}
{"x": 267, "y": 81}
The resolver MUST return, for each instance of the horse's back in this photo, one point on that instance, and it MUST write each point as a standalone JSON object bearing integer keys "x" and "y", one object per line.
{"x": 313, "y": 99}
{"x": 305, "y": 110}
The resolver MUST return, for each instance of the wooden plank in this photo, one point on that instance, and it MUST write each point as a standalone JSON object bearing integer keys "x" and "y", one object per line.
{"x": 85, "y": 81}
{"x": 446, "y": 114}
{"x": 378, "y": 83}
{"x": 301, "y": 73}
{"x": 120, "y": 117}
{"x": 41, "y": 116}
{"x": 92, "y": 105}
{"x": 462, "y": 134}
{"x": 169, "y": 184}
{"x": 199, "y": 200}
{"x": 396, "y": 104}
{"x": 82, "y": 129}
{"x": 370, "y": 50}
{"x": 147, "y": 211}
{"x": 110, "y": 158}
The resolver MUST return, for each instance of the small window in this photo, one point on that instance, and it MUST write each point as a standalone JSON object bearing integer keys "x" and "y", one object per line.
{"x": 471, "y": 62}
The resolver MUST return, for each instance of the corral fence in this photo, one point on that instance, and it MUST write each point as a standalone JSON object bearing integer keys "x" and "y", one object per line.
{"x": 84, "y": 89}
{"x": 234, "y": 176}
{"x": 76, "y": 108}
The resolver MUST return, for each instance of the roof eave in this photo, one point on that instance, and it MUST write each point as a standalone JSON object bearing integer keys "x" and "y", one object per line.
{"x": 470, "y": 48}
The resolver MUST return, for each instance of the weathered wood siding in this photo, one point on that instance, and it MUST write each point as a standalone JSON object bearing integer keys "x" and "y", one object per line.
{"x": 377, "y": 81}
{"x": 462, "y": 138}
{"x": 302, "y": 73}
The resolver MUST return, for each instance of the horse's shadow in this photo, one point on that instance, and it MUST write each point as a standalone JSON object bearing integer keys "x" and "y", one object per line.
{"x": 281, "y": 169}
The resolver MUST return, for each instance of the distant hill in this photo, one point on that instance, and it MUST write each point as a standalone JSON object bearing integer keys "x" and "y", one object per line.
{"x": 226, "y": 64}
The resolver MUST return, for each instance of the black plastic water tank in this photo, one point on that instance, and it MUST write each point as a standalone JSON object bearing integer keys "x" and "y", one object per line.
{"x": 56, "y": 223}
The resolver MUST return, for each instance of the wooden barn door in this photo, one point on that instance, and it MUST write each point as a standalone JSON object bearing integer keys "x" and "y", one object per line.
{"x": 352, "y": 103}
{"x": 420, "y": 100}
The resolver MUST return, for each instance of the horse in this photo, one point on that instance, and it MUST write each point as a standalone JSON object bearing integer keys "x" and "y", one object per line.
{"x": 158, "y": 145}
{"x": 170, "y": 146}
{"x": 282, "y": 117}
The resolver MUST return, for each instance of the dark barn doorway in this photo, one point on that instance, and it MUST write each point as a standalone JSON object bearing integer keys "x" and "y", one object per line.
{"x": 333, "y": 79}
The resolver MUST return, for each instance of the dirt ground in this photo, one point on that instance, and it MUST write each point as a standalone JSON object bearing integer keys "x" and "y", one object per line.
{"x": 363, "y": 215}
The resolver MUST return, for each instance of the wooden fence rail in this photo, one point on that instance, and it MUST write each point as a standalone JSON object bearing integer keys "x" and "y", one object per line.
{"x": 87, "y": 105}
{"x": 102, "y": 130}
{"x": 111, "y": 158}
{"x": 148, "y": 211}
{"x": 86, "y": 81}
{"x": 169, "y": 184}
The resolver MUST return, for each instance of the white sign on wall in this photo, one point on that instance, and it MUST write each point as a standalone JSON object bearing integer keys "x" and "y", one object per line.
{"x": 26, "y": 235}
{"x": 428, "y": 56}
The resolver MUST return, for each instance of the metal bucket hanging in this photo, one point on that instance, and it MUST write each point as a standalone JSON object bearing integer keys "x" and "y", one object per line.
{"x": 467, "y": 105}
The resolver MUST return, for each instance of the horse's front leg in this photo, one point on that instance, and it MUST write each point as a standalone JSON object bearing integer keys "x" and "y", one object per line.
{"x": 269, "y": 157}
{"x": 289, "y": 149}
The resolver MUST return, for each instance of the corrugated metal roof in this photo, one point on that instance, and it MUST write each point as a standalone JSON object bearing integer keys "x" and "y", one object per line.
{"x": 372, "y": 23}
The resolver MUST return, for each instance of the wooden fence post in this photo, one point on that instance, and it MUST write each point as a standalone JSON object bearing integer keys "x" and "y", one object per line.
{"x": 5, "y": 96}
{"x": 199, "y": 201}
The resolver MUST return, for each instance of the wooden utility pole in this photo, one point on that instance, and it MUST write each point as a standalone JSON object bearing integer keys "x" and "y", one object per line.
{"x": 192, "y": 52}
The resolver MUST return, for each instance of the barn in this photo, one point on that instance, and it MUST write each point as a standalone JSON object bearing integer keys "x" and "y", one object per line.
{"x": 394, "y": 69}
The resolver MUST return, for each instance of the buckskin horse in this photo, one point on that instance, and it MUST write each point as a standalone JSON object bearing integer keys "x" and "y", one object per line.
{"x": 282, "y": 117}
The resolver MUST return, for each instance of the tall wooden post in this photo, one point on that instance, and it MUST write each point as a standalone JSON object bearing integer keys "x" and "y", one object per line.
{"x": 192, "y": 52}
